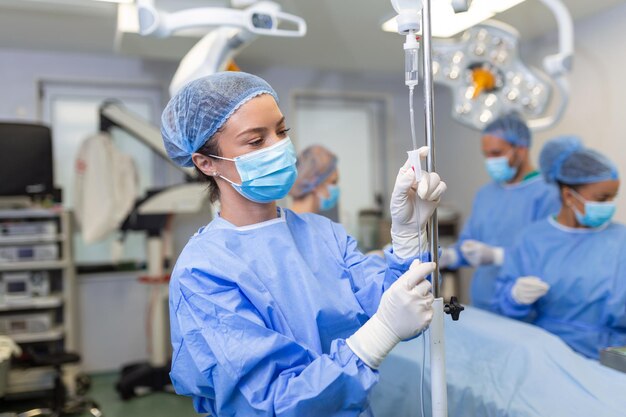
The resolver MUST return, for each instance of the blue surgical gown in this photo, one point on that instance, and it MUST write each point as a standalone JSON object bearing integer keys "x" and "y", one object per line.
{"x": 259, "y": 317}
{"x": 499, "y": 214}
{"x": 586, "y": 270}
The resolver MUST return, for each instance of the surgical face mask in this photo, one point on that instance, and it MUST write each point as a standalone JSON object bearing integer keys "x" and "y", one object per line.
{"x": 499, "y": 169}
{"x": 596, "y": 214}
{"x": 326, "y": 203}
{"x": 267, "y": 174}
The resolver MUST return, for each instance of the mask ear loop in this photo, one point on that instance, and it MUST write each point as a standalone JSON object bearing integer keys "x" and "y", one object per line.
{"x": 517, "y": 165}
{"x": 577, "y": 196}
{"x": 217, "y": 174}
{"x": 222, "y": 158}
{"x": 581, "y": 199}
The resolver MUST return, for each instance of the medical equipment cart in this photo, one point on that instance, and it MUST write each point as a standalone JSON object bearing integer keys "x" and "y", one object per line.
{"x": 37, "y": 293}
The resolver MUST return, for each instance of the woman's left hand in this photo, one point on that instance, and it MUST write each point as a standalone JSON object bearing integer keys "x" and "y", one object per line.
{"x": 408, "y": 194}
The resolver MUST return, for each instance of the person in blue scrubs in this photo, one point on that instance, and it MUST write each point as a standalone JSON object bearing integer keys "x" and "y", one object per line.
{"x": 567, "y": 273}
{"x": 316, "y": 189}
{"x": 274, "y": 313}
{"x": 516, "y": 197}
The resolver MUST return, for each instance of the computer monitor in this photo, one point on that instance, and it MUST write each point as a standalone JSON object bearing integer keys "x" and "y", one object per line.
{"x": 25, "y": 160}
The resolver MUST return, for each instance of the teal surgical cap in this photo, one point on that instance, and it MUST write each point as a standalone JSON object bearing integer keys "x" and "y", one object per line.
{"x": 512, "y": 128}
{"x": 566, "y": 160}
{"x": 202, "y": 107}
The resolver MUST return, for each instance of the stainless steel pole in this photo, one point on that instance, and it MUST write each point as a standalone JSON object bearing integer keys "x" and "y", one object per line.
{"x": 429, "y": 105}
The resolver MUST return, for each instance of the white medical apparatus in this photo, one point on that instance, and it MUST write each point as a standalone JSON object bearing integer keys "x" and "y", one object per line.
{"x": 482, "y": 67}
{"x": 23, "y": 285}
{"x": 31, "y": 252}
{"x": 233, "y": 30}
{"x": 26, "y": 323}
{"x": 38, "y": 229}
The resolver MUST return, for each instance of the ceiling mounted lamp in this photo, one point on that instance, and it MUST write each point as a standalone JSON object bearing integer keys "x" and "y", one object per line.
{"x": 481, "y": 64}
{"x": 447, "y": 22}
{"x": 487, "y": 77}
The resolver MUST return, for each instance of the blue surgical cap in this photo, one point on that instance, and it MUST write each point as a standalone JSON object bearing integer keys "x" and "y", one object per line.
{"x": 202, "y": 107}
{"x": 511, "y": 128}
{"x": 566, "y": 160}
{"x": 315, "y": 164}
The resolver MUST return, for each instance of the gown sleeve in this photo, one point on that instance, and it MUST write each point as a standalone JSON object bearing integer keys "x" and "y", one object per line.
{"x": 371, "y": 274}
{"x": 232, "y": 363}
{"x": 616, "y": 303}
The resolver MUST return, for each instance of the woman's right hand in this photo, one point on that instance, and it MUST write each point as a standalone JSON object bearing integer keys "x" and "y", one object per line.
{"x": 405, "y": 309}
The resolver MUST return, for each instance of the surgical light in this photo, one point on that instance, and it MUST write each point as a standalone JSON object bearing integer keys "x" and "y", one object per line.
{"x": 483, "y": 67}
{"x": 447, "y": 23}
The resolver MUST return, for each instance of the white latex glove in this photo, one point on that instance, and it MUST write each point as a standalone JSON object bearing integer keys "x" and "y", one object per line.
{"x": 448, "y": 257}
{"x": 527, "y": 290}
{"x": 405, "y": 309}
{"x": 478, "y": 253}
{"x": 407, "y": 194}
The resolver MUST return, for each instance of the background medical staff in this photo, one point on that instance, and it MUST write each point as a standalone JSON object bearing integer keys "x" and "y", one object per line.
{"x": 567, "y": 273}
{"x": 316, "y": 189}
{"x": 503, "y": 208}
{"x": 275, "y": 313}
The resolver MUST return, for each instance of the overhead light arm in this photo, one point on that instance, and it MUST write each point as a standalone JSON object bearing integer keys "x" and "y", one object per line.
{"x": 233, "y": 30}
{"x": 558, "y": 65}
{"x": 261, "y": 18}
{"x": 113, "y": 114}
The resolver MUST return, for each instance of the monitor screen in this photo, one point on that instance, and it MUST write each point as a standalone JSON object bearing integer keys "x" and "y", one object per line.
{"x": 16, "y": 287}
{"x": 25, "y": 159}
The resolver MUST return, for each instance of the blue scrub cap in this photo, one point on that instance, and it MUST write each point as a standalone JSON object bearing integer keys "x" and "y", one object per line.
{"x": 567, "y": 161}
{"x": 202, "y": 107}
{"x": 512, "y": 128}
{"x": 315, "y": 164}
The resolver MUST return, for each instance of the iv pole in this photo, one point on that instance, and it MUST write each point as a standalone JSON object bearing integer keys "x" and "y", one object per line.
{"x": 408, "y": 20}
{"x": 438, "y": 393}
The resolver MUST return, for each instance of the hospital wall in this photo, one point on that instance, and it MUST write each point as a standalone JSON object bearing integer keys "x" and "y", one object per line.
{"x": 21, "y": 70}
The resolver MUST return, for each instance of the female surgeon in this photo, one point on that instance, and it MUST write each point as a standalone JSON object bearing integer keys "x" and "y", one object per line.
{"x": 275, "y": 313}
{"x": 315, "y": 189}
{"x": 567, "y": 273}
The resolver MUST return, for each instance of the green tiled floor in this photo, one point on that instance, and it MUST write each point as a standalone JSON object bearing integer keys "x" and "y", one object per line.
{"x": 152, "y": 405}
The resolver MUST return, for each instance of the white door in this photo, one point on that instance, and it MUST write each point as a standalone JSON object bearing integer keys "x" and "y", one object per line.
{"x": 351, "y": 128}
{"x": 72, "y": 113}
